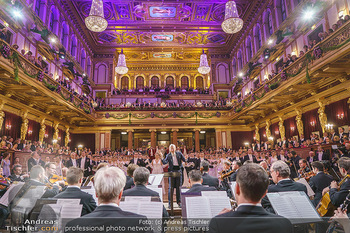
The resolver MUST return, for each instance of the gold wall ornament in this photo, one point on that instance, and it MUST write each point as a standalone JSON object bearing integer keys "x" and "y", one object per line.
{"x": 281, "y": 127}
{"x": 42, "y": 130}
{"x": 24, "y": 128}
{"x": 257, "y": 135}
{"x": 66, "y": 139}
{"x": 55, "y": 134}
{"x": 299, "y": 121}
{"x": 322, "y": 115}
{"x": 2, "y": 118}
{"x": 267, "y": 128}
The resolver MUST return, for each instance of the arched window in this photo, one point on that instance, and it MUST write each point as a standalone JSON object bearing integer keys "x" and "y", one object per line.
{"x": 54, "y": 20}
{"x": 184, "y": 82}
{"x": 170, "y": 82}
{"x": 88, "y": 67}
{"x": 257, "y": 36}
{"x": 240, "y": 60}
{"x": 154, "y": 82}
{"x": 101, "y": 72}
{"x": 140, "y": 82}
{"x": 65, "y": 35}
{"x": 125, "y": 83}
{"x": 73, "y": 48}
{"x": 283, "y": 10}
{"x": 40, "y": 9}
{"x": 37, "y": 7}
{"x": 83, "y": 59}
{"x": 268, "y": 24}
{"x": 199, "y": 82}
{"x": 234, "y": 68}
{"x": 249, "y": 48}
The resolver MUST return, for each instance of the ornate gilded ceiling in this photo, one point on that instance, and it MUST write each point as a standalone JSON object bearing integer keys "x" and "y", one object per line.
{"x": 149, "y": 24}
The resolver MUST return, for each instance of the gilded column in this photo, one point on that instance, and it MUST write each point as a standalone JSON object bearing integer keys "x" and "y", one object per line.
{"x": 66, "y": 139}
{"x": 153, "y": 138}
{"x": 300, "y": 124}
{"x": 196, "y": 140}
{"x": 175, "y": 136}
{"x": 267, "y": 128}
{"x": 24, "y": 126}
{"x": 42, "y": 130}
{"x": 55, "y": 134}
{"x": 130, "y": 138}
{"x": 322, "y": 115}
{"x": 2, "y": 113}
{"x": 257, "y": 135}
{"x": 281, "y": 127}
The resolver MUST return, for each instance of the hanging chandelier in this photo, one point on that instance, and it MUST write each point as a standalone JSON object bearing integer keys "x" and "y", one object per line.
{"x": 204, "y": 67}
{"x": 232, "y": 23}
{"x": 121, "y": 67}
{"x": 96, "y": 21}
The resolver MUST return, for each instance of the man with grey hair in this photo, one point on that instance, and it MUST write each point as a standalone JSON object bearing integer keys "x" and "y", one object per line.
{"x": 208, "y": 179}
{"x": 141, "y": 175}
{"x": 195, "y": 179}
{"x": 251, "y": 187}
{"x": 280, "y": 174}
{"x": 109, "y": 183}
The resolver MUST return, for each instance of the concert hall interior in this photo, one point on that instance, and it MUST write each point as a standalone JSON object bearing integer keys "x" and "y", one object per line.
{"x": 234, "y": 113}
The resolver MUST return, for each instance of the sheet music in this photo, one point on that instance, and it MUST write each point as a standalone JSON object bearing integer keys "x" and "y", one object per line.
{"x": 130, "y": 206}
{"x": 155, "y": 179}
{"x": 197, "y": 207}
{"x": 295, "y": 206}
{"x": 217, "y": 204}
{"x": 214, "y": 193}
{"x": 68, "y": 201}
{"x": 158, "y": 190}
{"x": 137, "y": 199}
{"x": 14, "y": 188}
{"x": 183, "y": 190}
{"x": 27, "y": 201}
{"x": 151, "y": 209}
{"x": 310, "y": 192}
{"x": 233, "y": 188}
{"x": 71, "y": 211}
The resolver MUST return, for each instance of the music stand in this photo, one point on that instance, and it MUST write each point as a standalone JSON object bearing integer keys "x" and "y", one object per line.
{"x": 172, "y": 175}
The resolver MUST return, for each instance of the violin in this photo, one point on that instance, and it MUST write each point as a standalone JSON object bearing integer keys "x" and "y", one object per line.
{"x": 5, "y": 182}
{"x": 226, "y": 174}
{"x": 56, "y": 178}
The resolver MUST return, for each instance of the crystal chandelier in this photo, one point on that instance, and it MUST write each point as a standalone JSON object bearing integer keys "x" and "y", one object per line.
{"x": 121, "y": 66}
{"x": 232, "y": 23}
{"x": 96, "y": 21}
{"x": 204, "y": 67}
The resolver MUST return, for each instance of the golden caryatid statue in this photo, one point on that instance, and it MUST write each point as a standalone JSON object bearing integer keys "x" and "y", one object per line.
{"x": 281, "y": 127}
{"x": 42, "y": 130}
{"x": 66, "y": 139}
{"x": 322, "y": 115}
{"x": 55, "y": 134}
{"x": 2, "y": 118}
{"x": 257, "y": 135}
{"x": 267, "y": 128}
{"x": 24, "y": 128}
{"x": 299, "y": 122}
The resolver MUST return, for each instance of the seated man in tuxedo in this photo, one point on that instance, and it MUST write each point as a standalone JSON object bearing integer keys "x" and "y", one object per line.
{"x": 250, "y": 217}
{"x": 141, "y": 175}
{"x": 129, "y": 178}
{"x": 109, "y": 183}
{"x": 74, "y": 180}
{"x": 208, "y": 179}
{"x": 280, "y": 173}
{"x": 236, "y": 164}
{"x": 320, "y": 181}
{"x": 17, "y": 174}
{"x": 195, "y": 179}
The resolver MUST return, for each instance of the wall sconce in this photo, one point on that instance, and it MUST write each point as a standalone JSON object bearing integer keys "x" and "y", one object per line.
{"x": 54, "y": 141}
{"x": 246, "y": 143}
{"x": 340, "y": 116}
{"x": 292, "y": 128}
{"x": 270, "y": 138}
{"x": 329, "y": 126}
{"x": 8, "y": 127}
{"x": 69, "y": 140}
{"x": 59, "y": 138}
{"x": 46, "y": 135}
{"x": 30, "y": 132}
{"x": 277, "y": 132}
{"x": 264, "y": 135}
{"x": 341, "y": 13}
{"x": 312, "y": 123}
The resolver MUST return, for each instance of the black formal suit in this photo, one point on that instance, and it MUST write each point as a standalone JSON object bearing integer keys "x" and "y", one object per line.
{"x": 32, "y": 163}
{"x": 177, "y": 181}
{"x": 210, "y": 180}
{"x": 129, "y": 183}
{"x": 197, "y": 188}
{"x": 249, "y": 219}
{"x": 108, "y": 215}
{"x": 311, "y": 159}
{"x": 285, "y": 157}
{"x": 341, "y": 136}
{"x": 87, "y": 167}
{"x": 338, "y": 197}
{"x": 282, "y": 186}
{"x": 325, "y": 156}
{"x": 318, "y": 183}
{"x": 69, "y": 163}
{"x": 17, "y": 178}
{"x": 143, "y": 191}
{"x": 86, "y": 199}
{"x": 246, "y": 158}
{"x": 139, "y": 162}
{"x": 233, "y": 176}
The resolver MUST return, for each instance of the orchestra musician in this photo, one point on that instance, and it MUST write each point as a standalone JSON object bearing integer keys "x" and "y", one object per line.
{"x": 252, "y": 183}
{"x": 35, "y": 160}
{"x": 320, "y": 181}
{"x": 50, "y": 171}
{"x": 208, "y": 179}
{"x": 304, "y": 169}
{"x": 236, "y": 164}
{"x": 196, "y": 182}
{"x": 17, "y": 174}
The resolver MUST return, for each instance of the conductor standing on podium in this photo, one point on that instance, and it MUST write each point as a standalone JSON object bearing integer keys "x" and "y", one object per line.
{"x": 175, "y": 159}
